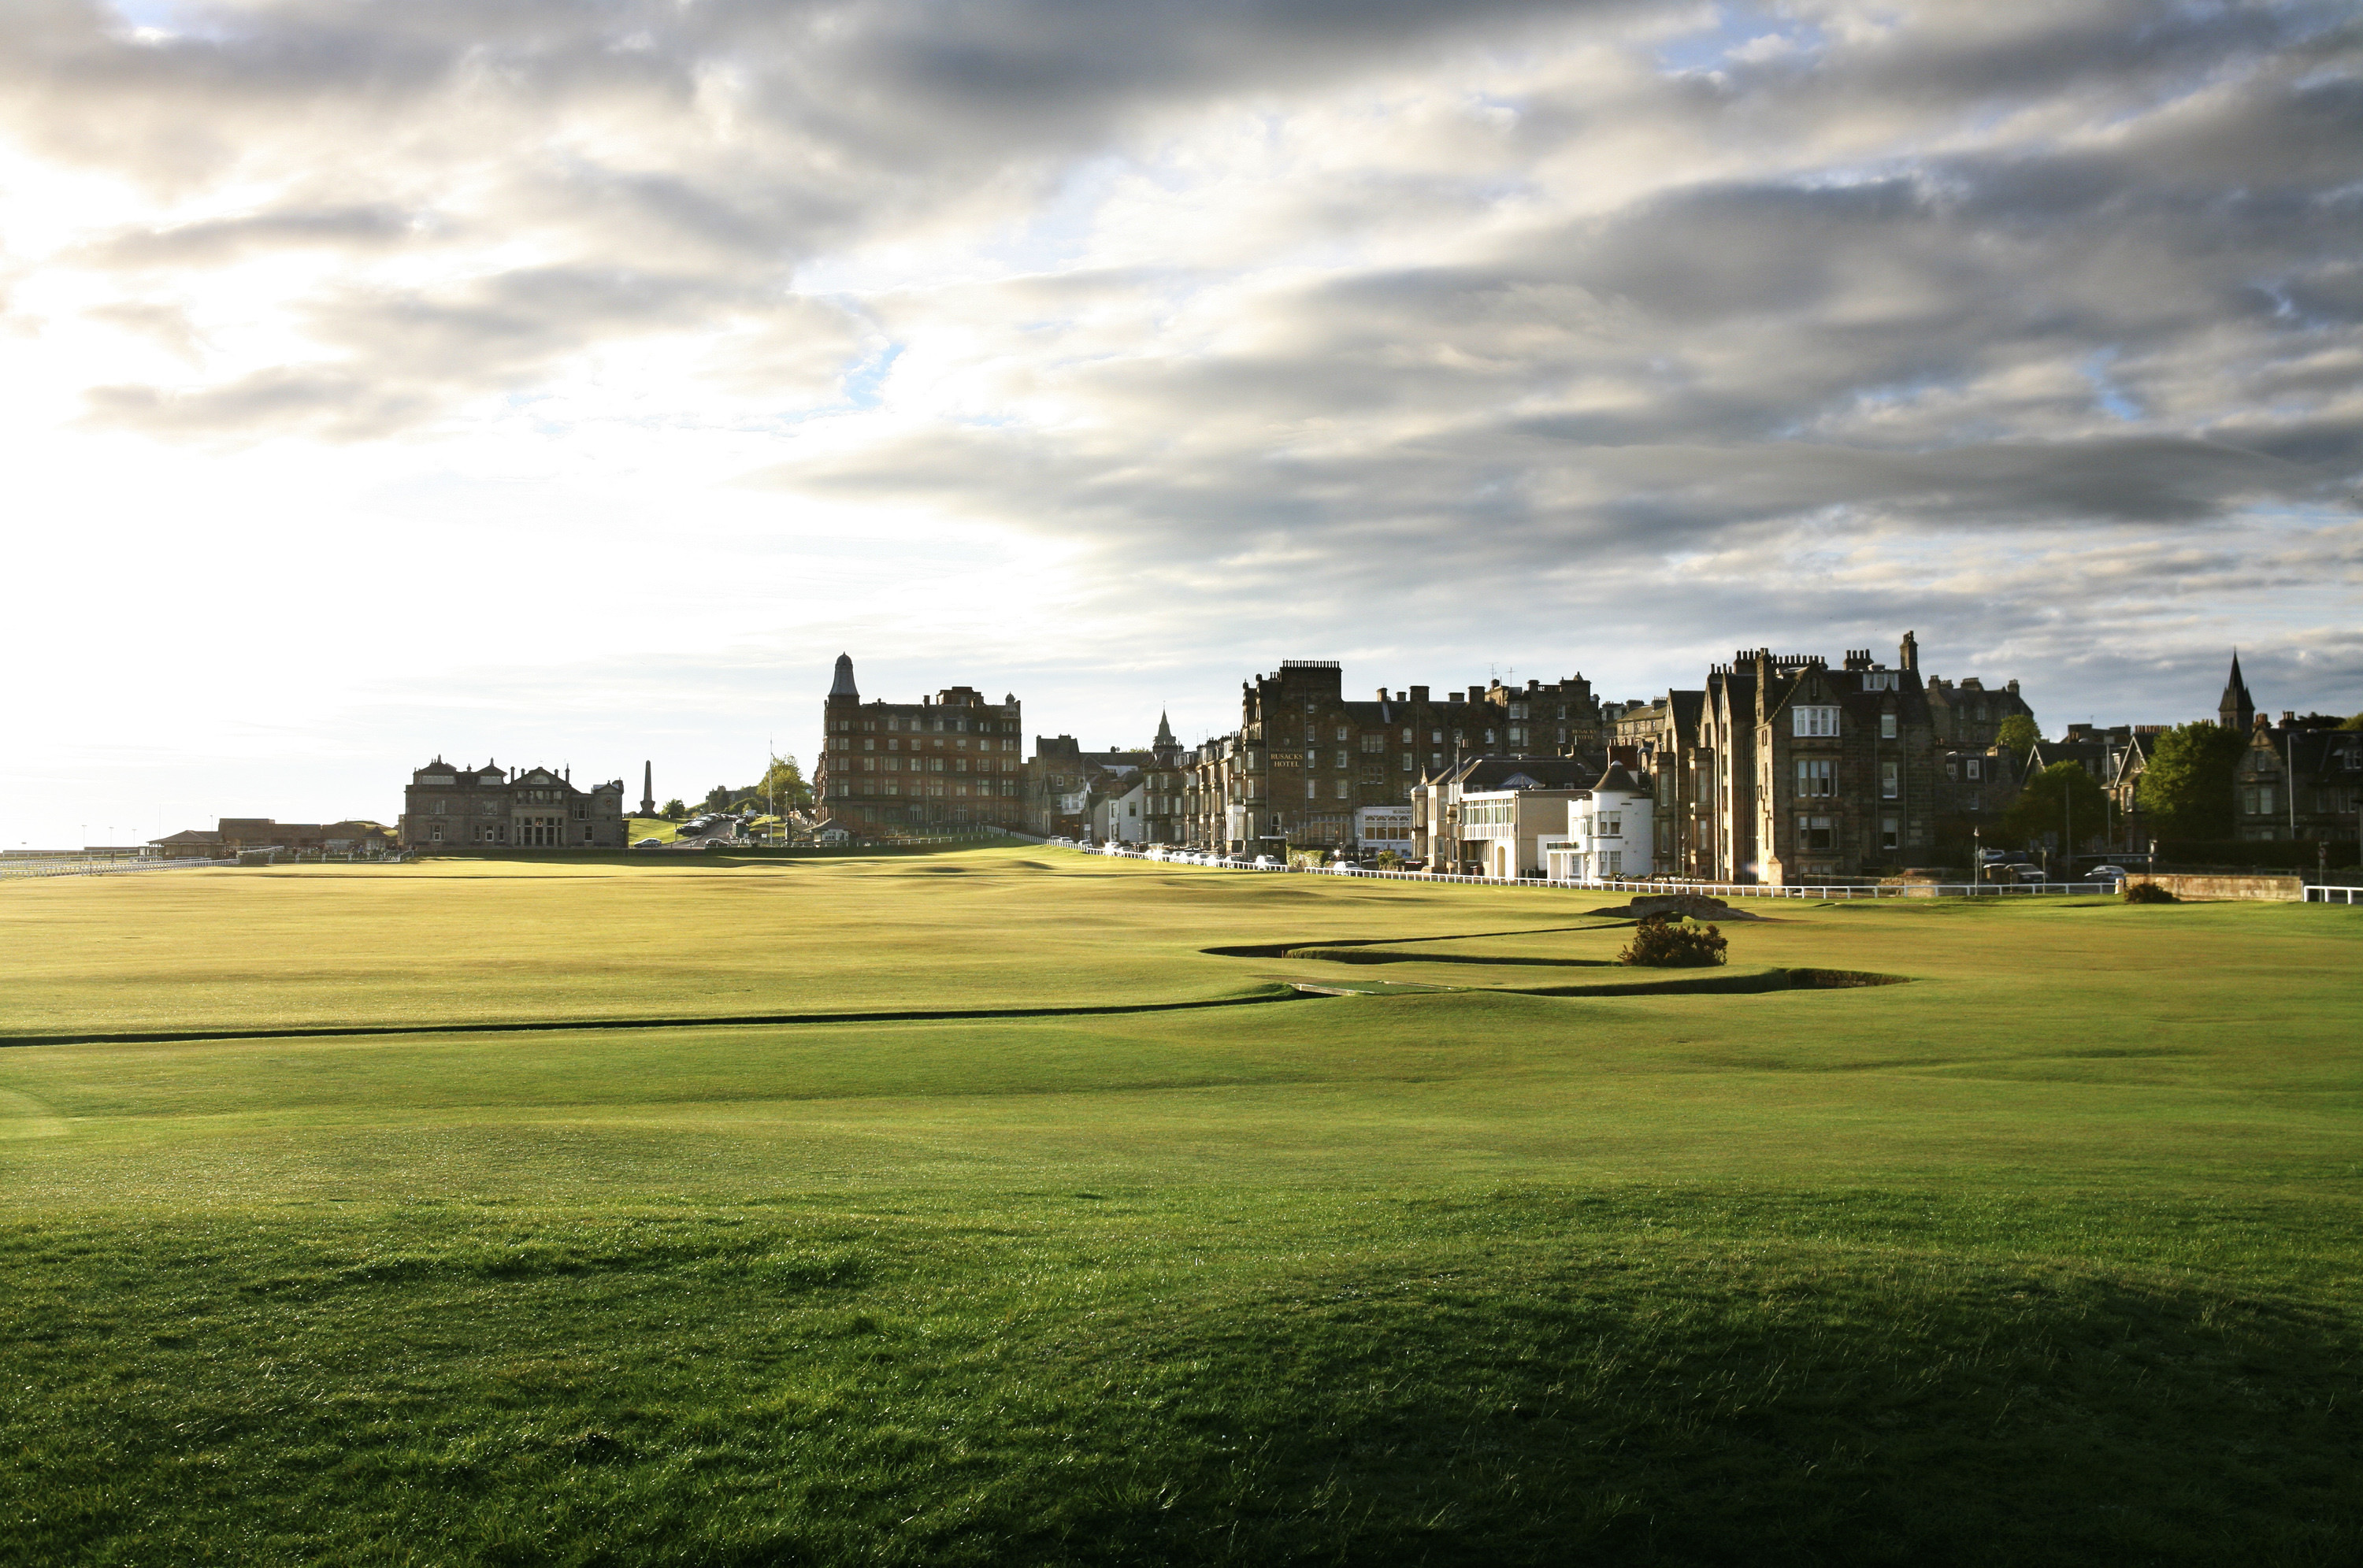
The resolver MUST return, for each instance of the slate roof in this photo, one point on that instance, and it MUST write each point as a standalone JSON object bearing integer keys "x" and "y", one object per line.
{"x": 1618, "y": 780}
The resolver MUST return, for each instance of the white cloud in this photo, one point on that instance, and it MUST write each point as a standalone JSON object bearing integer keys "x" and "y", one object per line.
{"x": 592, "y": 377}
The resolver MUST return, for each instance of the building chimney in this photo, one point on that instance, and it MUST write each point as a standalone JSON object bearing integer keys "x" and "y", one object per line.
{"x": 1419, "y": 693}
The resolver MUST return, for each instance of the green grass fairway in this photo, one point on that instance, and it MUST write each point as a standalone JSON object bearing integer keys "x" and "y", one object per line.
{"x": 2049, "y": 1253}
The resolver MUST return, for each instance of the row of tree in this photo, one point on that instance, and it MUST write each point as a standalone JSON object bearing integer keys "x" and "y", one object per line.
{"x": 782, "y": 785}
{"x": 2185, "y": 791}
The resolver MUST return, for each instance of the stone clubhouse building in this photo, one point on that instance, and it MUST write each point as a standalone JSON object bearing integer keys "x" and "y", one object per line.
{"x": 450, "y": 809}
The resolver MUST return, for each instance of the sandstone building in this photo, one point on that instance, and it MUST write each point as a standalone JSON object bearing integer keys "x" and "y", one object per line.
{"x": 949, "y": 763}
{"x": 1304, "y": 759}
{"x": 1844, "y": 775}
{"x": 447, "y": 808}
{"x": 1782, "y": 769}
{"x": 2299, "y": 783}
{"x": 1451, "y": 834}
{"x": 235, "y": 834}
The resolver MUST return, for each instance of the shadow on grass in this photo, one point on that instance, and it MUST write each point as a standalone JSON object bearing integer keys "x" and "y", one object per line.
{"x": 749, "y": 1392}
{"x": 1763, "y": 1409}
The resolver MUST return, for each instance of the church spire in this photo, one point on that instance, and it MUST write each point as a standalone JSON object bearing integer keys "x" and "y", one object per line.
{"x": 2237, "y": 710}
{"x": 1165, "y": 730}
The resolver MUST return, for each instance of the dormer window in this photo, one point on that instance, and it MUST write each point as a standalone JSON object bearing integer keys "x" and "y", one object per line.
{"x": 1879, "y": 680}
{"x": 1816, "y": 721}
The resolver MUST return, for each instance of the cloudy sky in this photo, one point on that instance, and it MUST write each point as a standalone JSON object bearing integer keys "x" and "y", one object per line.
{"x": 571, "y": 382}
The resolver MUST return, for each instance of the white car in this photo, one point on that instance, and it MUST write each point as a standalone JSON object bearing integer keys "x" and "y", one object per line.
{"x": 1265, "y": 863}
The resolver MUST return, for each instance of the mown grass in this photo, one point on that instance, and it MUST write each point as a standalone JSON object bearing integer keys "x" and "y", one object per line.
{"x": 2047, "y": 1255}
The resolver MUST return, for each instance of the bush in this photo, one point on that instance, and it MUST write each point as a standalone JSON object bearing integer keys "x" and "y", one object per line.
{"x": 2148, "y": 893}
{"x": 1667, "y": 942}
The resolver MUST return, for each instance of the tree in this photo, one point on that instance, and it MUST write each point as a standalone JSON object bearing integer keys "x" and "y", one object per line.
{"x": 783, "y": 782}
{"x": 2187, "y": 788}
{"x": 2062, "y": 800}
{"x": 673, "y": 812}
{"x": 717, "y": 799}
{"x": 2354, "y": 723}
{"x": 2016, "y": 734}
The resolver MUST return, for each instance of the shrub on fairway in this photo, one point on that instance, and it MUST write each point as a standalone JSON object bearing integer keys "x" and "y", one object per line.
{"x": 2148, "y": 893}
{"x": 1667, "y": 942}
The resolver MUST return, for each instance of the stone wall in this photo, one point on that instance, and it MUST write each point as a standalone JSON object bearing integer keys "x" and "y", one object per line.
{"x": 2286, "y": 890}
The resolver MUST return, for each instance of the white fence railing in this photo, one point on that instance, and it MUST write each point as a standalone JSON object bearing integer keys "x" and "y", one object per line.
{"x": 78, "y": 867}
{"x": 1610, "y": 885}
{"x": 2317, "y": 893}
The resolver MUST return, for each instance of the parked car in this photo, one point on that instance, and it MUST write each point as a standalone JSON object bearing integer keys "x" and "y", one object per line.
{"x": 649, "y": 844}
{"x": 2028, "y": 873}
{"x": 1265, "y": 863}
{"x": 2106, "y": 874}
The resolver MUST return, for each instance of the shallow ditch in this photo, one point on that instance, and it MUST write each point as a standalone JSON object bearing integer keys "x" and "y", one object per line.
{"x": 1643, "y": 981}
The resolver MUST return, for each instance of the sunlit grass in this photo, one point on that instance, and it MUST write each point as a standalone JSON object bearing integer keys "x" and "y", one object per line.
{"x": 2047, "y": 1254}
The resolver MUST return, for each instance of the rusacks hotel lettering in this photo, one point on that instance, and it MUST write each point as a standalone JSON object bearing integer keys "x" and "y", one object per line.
{"x": 451, "y": 809}
{"x": 945, "y": 763}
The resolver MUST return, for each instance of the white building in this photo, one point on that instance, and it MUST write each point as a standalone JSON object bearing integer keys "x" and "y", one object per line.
{"x": 1608, "y": 832}
{"x": 1380, "y": 828}
{"x": 1510, "y": 827}
{"x": 1116, "y": 817}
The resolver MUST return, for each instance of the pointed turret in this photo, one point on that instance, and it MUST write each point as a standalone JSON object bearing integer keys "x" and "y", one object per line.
{"x": 843, "y": 685}
{"x": 2237, "y": 711}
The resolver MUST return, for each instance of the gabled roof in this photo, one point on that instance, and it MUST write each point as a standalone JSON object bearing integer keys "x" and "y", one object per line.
{"x": 2318, "y": 754}
{"x": 1844, "y": 688}
{"x": 1478, "y": 774}
{"x": 1617, "y": 781}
